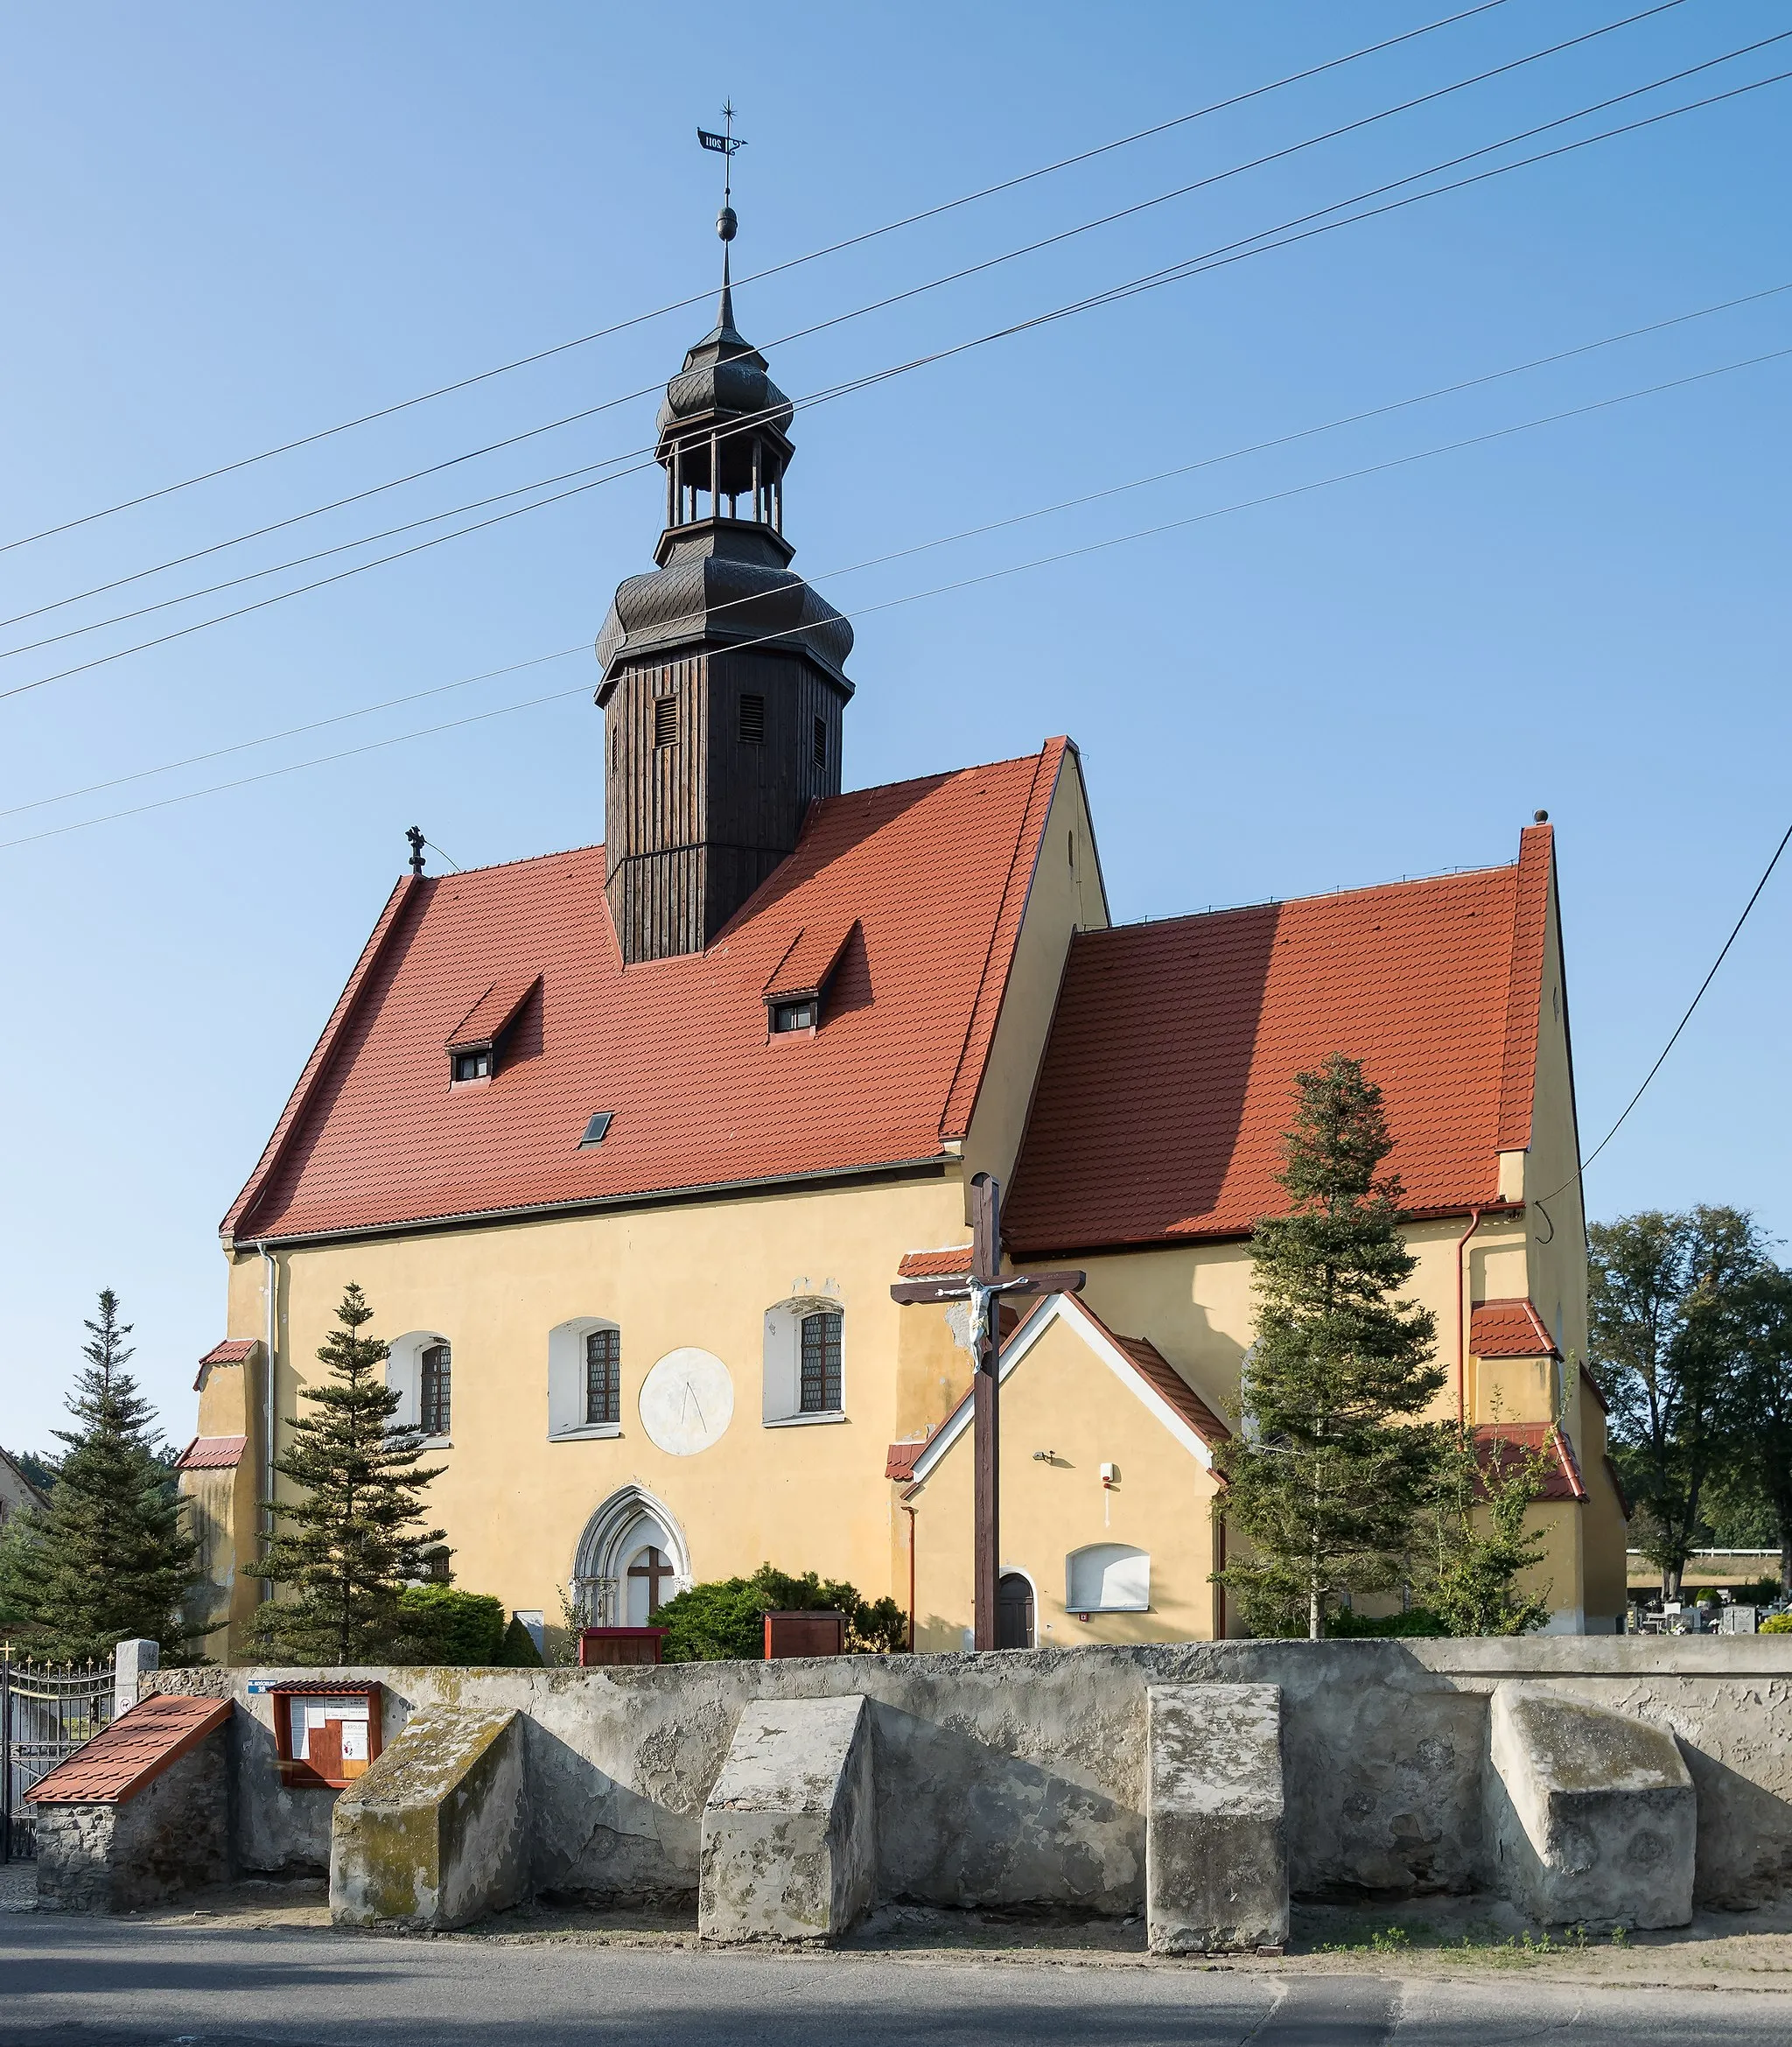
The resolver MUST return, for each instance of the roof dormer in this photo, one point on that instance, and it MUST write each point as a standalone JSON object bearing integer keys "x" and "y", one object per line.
{"x": 474, "y": 1045}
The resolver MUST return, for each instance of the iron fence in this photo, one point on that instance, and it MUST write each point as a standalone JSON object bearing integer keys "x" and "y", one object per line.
{"x": 47, "y": 1710}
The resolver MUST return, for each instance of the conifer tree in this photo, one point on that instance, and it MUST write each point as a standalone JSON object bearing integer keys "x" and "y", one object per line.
{"x": 356, "y": 1540}
{"x": 109, "y": 1558}
{"x": 1333, "y": 1467}
{"x": 1481, "y": 1538}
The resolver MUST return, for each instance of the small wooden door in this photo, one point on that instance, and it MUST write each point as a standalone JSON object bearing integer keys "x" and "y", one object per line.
{"x": 1014, "y": 1612}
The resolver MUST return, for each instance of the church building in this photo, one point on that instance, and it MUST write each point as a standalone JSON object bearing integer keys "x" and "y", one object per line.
{"x": 627, "y": 1145}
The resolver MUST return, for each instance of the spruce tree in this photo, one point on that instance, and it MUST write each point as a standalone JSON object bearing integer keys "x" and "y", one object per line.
{"x": 355, "y": 1540}
{"x": 110, "y": 1559}
{"x": 1481, "y": 1541}
{"x": 1331, "y": 1470}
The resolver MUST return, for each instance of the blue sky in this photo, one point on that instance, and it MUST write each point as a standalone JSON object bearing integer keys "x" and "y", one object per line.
{"x": 231, "y": 226}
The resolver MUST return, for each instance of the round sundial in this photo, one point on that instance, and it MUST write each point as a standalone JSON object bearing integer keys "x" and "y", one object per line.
{"x": 687, "y": 1401}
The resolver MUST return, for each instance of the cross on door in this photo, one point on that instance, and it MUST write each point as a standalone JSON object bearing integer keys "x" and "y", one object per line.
{"x": 983, "y": 1288}
{"x": 652, "y": 1564}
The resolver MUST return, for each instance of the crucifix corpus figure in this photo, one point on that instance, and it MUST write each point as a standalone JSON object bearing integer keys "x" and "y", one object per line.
{"x": 985, "y": 1289}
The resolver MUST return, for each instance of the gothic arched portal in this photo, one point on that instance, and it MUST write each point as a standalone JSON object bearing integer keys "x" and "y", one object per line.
{"x": 631, "y": 1559}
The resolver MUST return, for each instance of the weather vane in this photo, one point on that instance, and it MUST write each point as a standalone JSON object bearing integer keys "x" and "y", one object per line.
{"x": 724, "y": 146}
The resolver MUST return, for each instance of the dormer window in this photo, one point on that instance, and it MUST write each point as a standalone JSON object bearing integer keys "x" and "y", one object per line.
{"x": 479, "y": 1038}
{"x": 799, "y": 983}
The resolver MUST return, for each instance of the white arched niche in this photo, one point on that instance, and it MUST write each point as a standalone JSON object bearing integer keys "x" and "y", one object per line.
{"x": 782, "y": 1365}
{"x": 566, "y": 1381}
{"x": 629, "y": 1522}
{"x": 1108, "y": 1578}
{"x": 405, "y": 1374}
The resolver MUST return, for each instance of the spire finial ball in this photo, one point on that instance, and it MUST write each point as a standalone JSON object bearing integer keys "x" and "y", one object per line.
{"x": 1541, "y": 816}
{"x": 727, "y": 224}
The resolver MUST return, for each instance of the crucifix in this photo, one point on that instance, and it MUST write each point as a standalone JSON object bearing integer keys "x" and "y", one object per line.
{"x": 985, "y": 1289}
{"x": 653, "y": 1568}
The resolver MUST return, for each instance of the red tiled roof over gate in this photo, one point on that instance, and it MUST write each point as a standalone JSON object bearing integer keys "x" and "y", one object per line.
{"x": 1508, "y": 1328}
{"x": 137, "y": 1747}
{"x": 1168, "y": 1079}
{"x": 935, "y": 872}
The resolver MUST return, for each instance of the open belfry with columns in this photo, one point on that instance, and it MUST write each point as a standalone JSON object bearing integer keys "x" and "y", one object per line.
{"x": 627, "y": 1146}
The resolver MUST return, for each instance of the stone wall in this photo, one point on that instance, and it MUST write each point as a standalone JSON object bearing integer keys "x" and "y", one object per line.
{"x": 1021, "y": 1779}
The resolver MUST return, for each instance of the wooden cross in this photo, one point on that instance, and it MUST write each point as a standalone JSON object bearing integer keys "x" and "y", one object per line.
{"x": 983, "y": 1289}
{"x": 655, "y": 1568}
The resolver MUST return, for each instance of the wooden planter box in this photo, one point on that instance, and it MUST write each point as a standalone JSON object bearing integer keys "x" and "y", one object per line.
{"x": 818, "y": 1632}
{"x": 600, "y": 1646}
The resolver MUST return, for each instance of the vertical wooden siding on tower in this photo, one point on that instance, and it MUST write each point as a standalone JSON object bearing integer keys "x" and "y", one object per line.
{"x": 690, "y": 828}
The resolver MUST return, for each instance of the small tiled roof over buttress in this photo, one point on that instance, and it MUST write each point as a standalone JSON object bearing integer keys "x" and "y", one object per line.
{"x": 915, "y": 891}
{"x": 1168, "y": 1079}
{"x": 1510, "y": 1328}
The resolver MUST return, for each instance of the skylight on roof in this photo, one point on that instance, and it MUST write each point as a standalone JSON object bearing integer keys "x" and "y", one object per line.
{"x": 597, "y": 1128}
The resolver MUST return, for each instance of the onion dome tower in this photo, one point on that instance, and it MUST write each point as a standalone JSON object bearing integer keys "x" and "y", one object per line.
{"x": 723, "y": 673}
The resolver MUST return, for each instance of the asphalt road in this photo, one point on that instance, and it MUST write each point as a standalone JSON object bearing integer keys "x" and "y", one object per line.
{"x": 103, "y": 1984}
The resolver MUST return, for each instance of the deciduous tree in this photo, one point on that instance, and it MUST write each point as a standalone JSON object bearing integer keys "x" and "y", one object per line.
{"x": 1669, "y": 1297}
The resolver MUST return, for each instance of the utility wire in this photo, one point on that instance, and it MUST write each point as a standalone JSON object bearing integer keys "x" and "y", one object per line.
{"x": 952, "y": 539}
{"x": 1767, "y": 875}
{"x": 1251, "y": 245}
{"x": 771, "y": 270}
{"x": 840, "y": 319}
{"x": 785, "y": 635}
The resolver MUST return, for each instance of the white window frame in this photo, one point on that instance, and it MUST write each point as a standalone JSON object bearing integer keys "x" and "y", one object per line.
{"x": 566, "y": 1421}
{"x": 404, "y": 1373}
{"x": 1115, "y": 1552}
{"x": 781, "y": 1365}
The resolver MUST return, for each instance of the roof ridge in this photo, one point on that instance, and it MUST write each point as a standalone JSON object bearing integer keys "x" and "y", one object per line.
{"x": 1524, "y": 989}
{"x": 1289, "y": 902}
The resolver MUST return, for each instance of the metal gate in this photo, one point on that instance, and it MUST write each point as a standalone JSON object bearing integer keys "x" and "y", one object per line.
{"x": 47, "y": 1710}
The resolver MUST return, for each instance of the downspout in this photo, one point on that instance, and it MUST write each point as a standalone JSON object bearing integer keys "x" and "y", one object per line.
{"x": 1462, "y": 1323}
{"x": 270, "y": 1280}
{"x": 910, "y": 1511}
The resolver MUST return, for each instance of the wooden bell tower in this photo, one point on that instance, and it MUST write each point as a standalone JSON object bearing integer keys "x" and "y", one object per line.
{"x": 723, "y": 679}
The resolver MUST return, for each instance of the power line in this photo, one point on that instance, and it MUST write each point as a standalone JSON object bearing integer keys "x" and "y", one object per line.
{"x": 965, "y": 533}
{"x": 1257, "y": 244}
{"x": 881, "y": 304}
{"x": 788, "y": 634}
{"x": 1767, "y": 875}
{"x": 771, "y": 270}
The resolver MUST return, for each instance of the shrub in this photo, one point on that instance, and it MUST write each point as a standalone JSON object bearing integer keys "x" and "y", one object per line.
{"x": 1416, "y": 1621}
{"x": 441, "y": 1624}
{"x": 1763, "y": 1591}
{"x": 1777, "y": 1624}
{"x": 518, "y": 1652}
{"x": 725, "y": 1618}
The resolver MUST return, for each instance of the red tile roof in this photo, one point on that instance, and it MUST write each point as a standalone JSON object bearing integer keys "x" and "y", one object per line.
{"x": 935, "y": 872}
{"x": 1168, "y": 1079}
{"x": 233, "y": 1350}
{"x": 137, "y": 1747}
{"x": 953, "y": 1262}
{"x": 487, "y": 1021}
{"x": 1510, "y": 1328}
{"x": 1498, "y": 1444}
{"x": 814, "y": 954}
{"x": 899, "y": 1461}
{"x": 1155, "y": 1368}
{"x": 212, "y": 1453}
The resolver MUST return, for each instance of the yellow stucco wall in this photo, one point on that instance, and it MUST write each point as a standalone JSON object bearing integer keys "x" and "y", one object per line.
{"x": 809, "y": 1497}
{"x": 1064, "y": 1399}
{"x": 1065, "y": 896}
